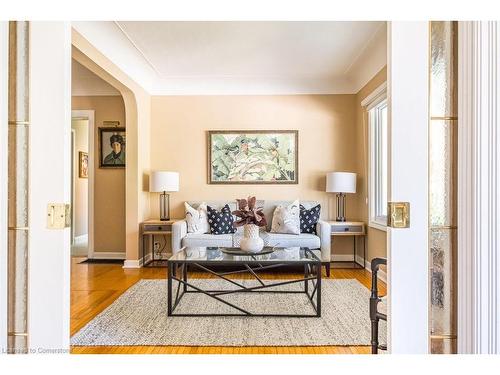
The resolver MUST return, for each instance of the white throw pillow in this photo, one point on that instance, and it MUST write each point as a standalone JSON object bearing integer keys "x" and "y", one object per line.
{"x": 286, "y": 219}
{"x": 197, "y": 219}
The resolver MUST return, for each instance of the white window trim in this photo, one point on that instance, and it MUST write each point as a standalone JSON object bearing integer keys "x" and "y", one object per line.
{"x": 376, "y": 97}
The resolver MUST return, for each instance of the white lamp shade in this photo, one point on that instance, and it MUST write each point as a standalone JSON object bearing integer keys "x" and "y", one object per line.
{"x": 160, "y": 181}
{"x": 341, "y": 182}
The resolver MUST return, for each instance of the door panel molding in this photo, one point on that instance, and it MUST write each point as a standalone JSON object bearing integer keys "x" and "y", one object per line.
{"x": 478, "y": 186}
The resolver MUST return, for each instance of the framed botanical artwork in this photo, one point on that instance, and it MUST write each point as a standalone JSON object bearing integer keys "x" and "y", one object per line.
{"x": 83, "y": 164}
{"x": 111, "y": 147}
{"x": 253, "y": 157}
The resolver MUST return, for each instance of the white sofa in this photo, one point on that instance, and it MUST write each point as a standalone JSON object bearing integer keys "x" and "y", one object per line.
{"x": 321, "y": 241}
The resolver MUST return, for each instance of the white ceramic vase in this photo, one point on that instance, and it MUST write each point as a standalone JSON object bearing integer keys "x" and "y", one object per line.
{"x": 251, "y": 240}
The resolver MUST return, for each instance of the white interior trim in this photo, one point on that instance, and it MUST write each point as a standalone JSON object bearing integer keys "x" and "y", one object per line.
{"x": 84, "y": 238}
{"x": 113, "y": 41}
{"x": 90, "y": 115}
{"x": 4, "y": 76}
{"x": 132, "y": 264}
{"x": 375, "y": 97}
{"x": 376, "y": 225}
{"x": 106, "y": 37}
{"x": 478, "y": 186}
{"x": 108, "y": 255}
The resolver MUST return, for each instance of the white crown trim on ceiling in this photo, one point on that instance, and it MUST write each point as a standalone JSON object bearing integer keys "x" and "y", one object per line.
{"x": 118, "y": 46}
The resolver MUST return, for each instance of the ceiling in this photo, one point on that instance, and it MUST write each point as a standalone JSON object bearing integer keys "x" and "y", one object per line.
{"x": 252, "y": 57}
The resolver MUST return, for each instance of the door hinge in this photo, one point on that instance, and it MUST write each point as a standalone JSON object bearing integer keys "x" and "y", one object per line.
{"x": 399, "y": 214}
{"x": 58, "y": 215}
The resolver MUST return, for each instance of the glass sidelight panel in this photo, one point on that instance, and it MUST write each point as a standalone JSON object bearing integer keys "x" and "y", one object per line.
{"x": 442, "y": 148}
{"x": 18, "y": 163}
{"x": 18, "y": 285}
{"x": 442, "y": 281}
{"x": 442, "y": 186}
{"x": 443, "y": 82}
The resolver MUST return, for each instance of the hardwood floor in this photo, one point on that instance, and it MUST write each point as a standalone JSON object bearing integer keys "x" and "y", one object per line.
{"x": 96, "y": 286}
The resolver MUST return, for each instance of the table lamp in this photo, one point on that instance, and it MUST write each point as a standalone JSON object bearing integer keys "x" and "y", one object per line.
{"x": 341, "y": 183}
{"x": 163, "y": 182}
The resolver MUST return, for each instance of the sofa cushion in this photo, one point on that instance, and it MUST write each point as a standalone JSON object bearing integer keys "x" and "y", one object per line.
{"x": 270, "y": 205}
{"x": 207, "y": 240}
{"x": 220, "y": 222}
{"x": 309, "y": 218}
{"x": 286, "y": 240}
{"x": 286, "y": 219}
{"x": 197, "y": 219}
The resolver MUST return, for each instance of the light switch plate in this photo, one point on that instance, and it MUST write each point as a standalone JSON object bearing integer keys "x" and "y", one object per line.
{"x": 58, "y": 215}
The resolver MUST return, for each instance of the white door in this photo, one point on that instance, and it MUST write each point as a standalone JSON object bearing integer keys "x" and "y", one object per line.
{"x": 408, "y": 268}
{"x": 49, "y": 174}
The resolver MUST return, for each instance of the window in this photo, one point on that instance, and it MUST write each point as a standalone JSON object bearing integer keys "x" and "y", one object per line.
{"x": 377, "y": 168}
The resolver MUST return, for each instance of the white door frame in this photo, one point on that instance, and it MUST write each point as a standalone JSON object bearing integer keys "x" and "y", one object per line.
{"x": 408, "y": 248}
{"x": 4, "y": 74}
{"x": 89, "y": 114}
{"x": 478, "y": 187}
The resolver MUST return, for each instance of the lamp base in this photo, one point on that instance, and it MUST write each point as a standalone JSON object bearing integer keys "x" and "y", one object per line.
{"x": 340, "y": 207}
{"x": 164, "y": 206}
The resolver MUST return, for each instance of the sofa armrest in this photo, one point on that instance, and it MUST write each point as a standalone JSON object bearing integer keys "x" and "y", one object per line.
{"x": 179, "y": 231}
{"x": 324, "y": 231}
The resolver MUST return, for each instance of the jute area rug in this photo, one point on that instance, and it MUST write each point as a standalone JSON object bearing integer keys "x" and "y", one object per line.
{"x": 139, "y": 317}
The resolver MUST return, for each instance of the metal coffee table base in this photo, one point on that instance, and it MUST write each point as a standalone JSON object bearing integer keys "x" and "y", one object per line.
{"x": 311, "y": 287}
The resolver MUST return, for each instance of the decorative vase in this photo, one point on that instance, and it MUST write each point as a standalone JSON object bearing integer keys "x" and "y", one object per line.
{"x": 251, "y": 240}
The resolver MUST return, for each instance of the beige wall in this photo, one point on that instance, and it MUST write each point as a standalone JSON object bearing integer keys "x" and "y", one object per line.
{"x": 377, "y": 241}
{"x": 109, "y": 184}
{"x": 80, "y": 185}
{"x": 327, "y": 142}
{"x": 138, "y": 119}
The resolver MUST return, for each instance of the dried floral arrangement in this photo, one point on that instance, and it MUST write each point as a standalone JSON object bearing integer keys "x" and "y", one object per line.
{"x": 248, "y": 213}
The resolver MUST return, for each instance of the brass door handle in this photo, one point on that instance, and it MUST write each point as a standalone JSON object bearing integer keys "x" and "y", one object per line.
{"x": 398, "y": 214}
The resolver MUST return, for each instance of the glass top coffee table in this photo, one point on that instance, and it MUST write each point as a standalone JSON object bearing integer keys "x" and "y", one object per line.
{"x": 225, "y": 289}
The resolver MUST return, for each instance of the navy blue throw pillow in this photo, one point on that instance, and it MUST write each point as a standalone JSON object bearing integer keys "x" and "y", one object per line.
{"x": 309, "y": 218}
{"x": 220, "y": 222}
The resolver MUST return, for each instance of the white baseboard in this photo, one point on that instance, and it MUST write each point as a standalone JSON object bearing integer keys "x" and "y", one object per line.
{"x": 132, "y": 264}
{"x": 107, "y": 255}
{"x": 80, "y": 240}
{"x": 348, "y": 258}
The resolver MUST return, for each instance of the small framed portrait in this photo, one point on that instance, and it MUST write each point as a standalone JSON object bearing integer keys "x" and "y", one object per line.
{"x": 112, "y": 147}
{"x": 83, "y": 164}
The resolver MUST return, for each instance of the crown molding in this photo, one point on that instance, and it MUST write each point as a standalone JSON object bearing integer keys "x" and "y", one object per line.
{"x": 114, "y": 43}
{"x": 110, "y": 40}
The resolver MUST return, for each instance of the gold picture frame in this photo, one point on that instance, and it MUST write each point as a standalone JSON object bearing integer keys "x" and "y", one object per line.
{"x": 253, "y": 157}
{"x": 83, "y": 164}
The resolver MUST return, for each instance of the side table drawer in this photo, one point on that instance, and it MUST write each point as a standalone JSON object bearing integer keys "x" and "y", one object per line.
{"x": 347, "y": 229}
{"x": 158, "y": 227}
